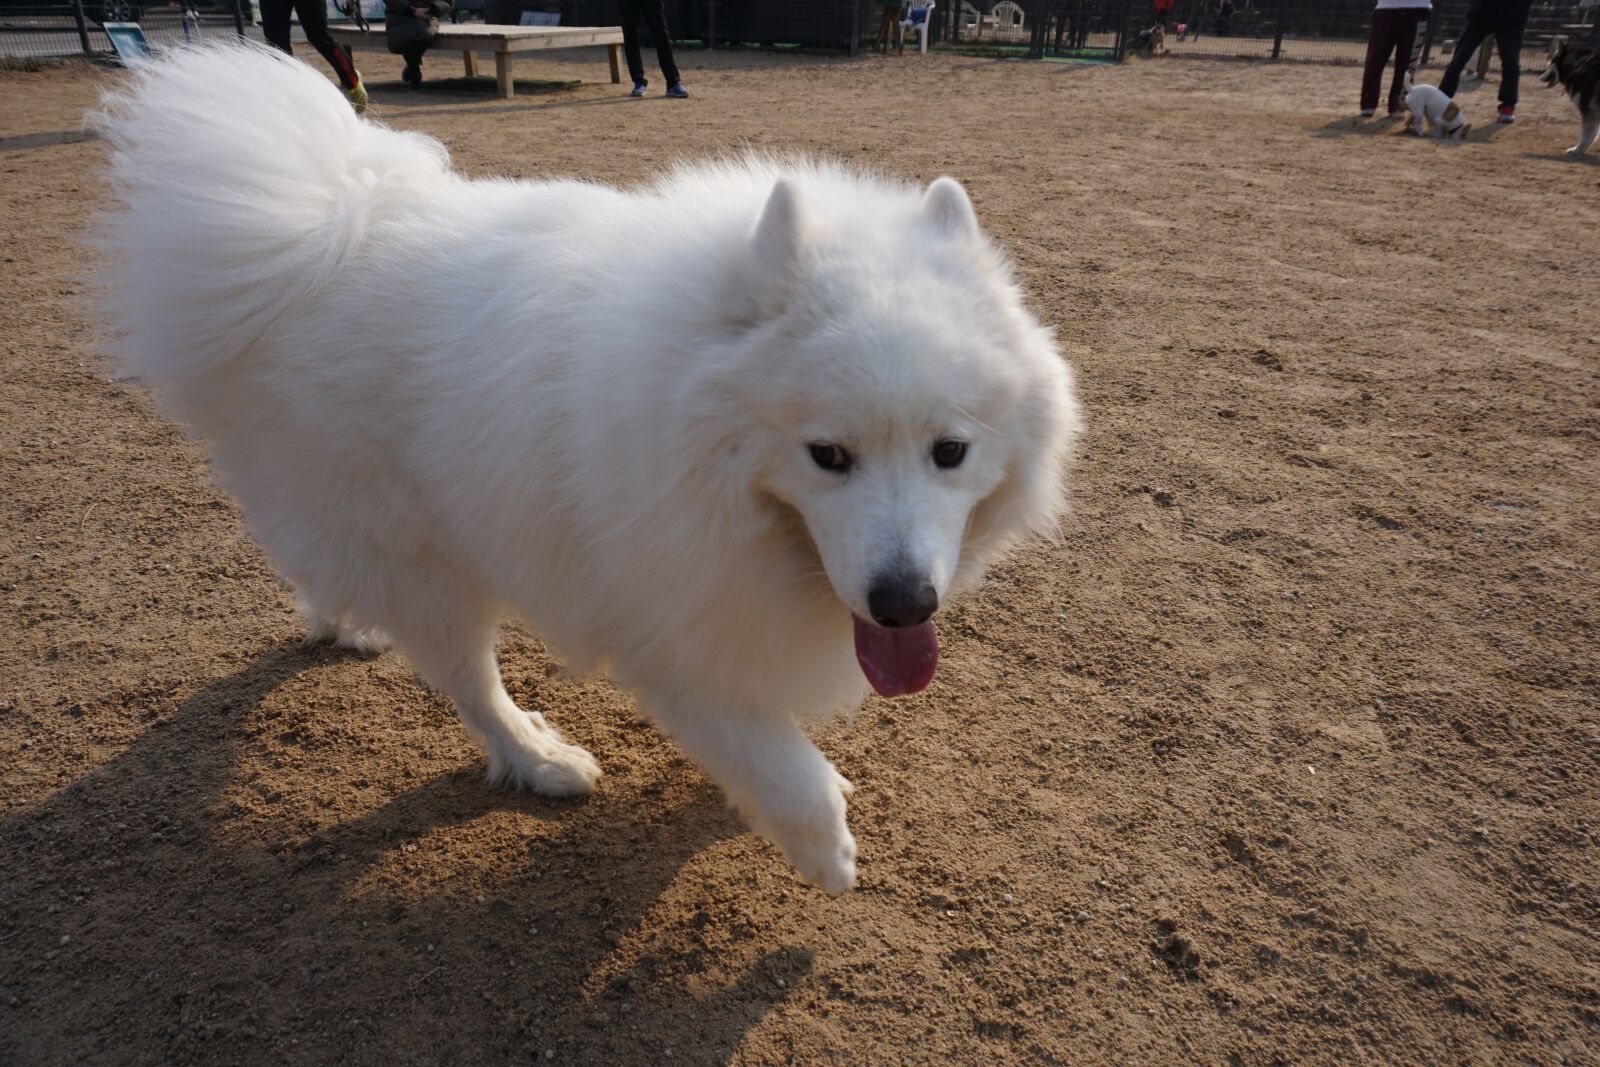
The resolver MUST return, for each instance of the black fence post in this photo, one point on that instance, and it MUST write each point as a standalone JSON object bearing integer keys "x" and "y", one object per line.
{"x": 1284, "y": 7}
{"x": 855, "y": 27}
{"x": 238, "y": 16}
{"x": 1427, "y": 38}
{"x": 1122, "y": 30}
{"x": 83, "y": 27}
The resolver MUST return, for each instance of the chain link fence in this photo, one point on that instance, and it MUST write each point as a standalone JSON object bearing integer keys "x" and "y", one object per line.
{"x": 1326, "y": 31}
{"x": 1335, "y": 31}
{"x": 1314, "y": 30}
{"x": 43, "y": 29}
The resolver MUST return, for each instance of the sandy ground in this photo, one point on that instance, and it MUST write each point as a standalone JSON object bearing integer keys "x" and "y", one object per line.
{"x": 1285, "y": 753}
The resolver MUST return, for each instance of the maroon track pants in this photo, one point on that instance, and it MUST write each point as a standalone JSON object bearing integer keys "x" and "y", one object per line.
{"x": 1399, "y": 30}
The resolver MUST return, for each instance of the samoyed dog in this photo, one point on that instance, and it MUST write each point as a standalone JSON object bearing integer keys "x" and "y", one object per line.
{"x": 733, "y": 437}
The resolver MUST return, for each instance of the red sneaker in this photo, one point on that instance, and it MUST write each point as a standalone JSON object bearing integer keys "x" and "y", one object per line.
{"x": 1507, "y": 114}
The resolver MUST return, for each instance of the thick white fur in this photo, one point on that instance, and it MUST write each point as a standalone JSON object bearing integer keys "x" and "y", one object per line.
{"x": 1428, "y": 104}
{"x": 442, "y": 400}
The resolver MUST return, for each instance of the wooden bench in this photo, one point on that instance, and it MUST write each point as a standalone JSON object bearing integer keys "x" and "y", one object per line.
{"x": 501, "y": 41}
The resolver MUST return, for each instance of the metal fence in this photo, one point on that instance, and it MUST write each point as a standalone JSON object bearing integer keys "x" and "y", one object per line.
{"x": 1335, "y": 30}
{"x": 1327, "y": 31}
{"x": 830, "y": 24}
{"x": 1316, "y": 30}
{"x": 55, "y": 28}
{"x": 1082, "y": 29}
{"x": 66, "y": 27}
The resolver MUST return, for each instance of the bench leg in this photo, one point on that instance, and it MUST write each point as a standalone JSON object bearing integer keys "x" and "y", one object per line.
{"x": 502, "y": 75}
{"x": 469, "y": 61}
{"x": 616, "y": 70}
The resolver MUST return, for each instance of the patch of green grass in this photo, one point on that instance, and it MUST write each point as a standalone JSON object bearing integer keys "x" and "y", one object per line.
{"x": 1019, "y": 51}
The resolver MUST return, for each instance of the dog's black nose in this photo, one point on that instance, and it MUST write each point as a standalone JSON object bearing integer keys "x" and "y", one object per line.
{"x": 896, "y": 602}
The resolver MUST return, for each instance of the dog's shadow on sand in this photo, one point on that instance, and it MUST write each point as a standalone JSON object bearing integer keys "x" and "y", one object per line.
{"x": 1592, "y": 158}
{"x": 1397, "y": 125}
{"x": 191, "y": 940}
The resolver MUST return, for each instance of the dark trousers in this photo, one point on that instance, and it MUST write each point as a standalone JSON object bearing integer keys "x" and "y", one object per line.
{"x": 1399, "y": 30}
{"x": 412, "y": 54}
{"x": 650, "y": 10}
{"x": 314, "y": 21}
{"x": 1506, "y": 27}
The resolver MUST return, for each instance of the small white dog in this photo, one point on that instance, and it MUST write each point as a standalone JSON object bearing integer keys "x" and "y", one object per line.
{"x": 1442, "y": 114}
{"x": 734, "y": 436}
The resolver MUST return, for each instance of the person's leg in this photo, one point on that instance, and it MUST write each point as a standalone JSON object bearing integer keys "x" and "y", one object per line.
{"x": 275, "y": 24}
{"x": 412, "y": 54}
{"x": 314, "y": 22}
{"x": 1419, "y": 40}
{"x": 1407, "y": 42}
{"x": 656, "y": 19}
{"x": 628, "y": 13}
{"x": 1508, "y": 39}
{"x": 1380, "y": 41}
{"x": 1472, "y": 35}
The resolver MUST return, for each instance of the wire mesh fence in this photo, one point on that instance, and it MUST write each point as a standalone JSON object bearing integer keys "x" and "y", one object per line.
{"x": 1333, "y": 30}
{"x": 65, "y": 27}
{"x": 1086, "y": 29}
{"x": 1314, "y": 30}
{"x": 44, "y": 28}
{"x": 55, "y": 28}
{"x": 1327, "y": 31}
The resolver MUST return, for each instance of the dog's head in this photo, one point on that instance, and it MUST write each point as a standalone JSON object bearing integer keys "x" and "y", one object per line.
{"x": 1571, "y": 63}
{"x": 903, "y": 405}
{"x": 1553, "y": 70}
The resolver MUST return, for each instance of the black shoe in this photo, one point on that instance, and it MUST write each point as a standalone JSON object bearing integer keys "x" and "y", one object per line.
{"x": 412, "y": 76}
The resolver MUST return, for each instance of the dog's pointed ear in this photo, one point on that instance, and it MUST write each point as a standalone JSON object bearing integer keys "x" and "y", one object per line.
{"x": 945, "y": 204}
{"x": 775, "y": 247}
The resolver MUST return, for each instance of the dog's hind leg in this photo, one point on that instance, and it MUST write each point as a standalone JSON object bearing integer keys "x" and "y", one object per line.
{"x": 1591, "y": 129}
{"x": 328, "y": 626}
{"x": 448, "y": 632}
{"x": 777, "y": 779}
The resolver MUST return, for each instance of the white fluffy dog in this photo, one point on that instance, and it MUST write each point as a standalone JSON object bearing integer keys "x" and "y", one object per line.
{"x": 733, "y": 437}
{"x": 1429, "y": 105}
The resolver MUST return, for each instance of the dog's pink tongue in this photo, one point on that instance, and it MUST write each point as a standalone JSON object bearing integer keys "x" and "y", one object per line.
{"x": 897, "y": 662}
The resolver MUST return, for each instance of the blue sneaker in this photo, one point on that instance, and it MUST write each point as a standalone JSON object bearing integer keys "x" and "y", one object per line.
{"x": 638, "y": 89}
{"x": 677, "y": 91}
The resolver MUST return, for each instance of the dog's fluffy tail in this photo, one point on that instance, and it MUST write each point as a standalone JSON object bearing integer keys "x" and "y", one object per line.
{"x": 243, "y": 182}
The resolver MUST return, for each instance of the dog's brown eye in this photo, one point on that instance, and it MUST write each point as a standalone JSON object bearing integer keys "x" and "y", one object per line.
{"x": 831, "y": 458}
{"x": 949, "y": 453}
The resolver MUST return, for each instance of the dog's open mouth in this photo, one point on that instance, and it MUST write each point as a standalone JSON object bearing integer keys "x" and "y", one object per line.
{"x": 897, "y": 662}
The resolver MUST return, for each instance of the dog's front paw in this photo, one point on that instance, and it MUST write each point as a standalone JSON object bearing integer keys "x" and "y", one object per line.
{"x": 817, "y": 840}
{"x": 545, "y": 766}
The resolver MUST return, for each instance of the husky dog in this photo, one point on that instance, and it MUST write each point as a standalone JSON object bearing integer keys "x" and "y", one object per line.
{"x": 1575, "y": 66}
{"x": 734, "y": 437}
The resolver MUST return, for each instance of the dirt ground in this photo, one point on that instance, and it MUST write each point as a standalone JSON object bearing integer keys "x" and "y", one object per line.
{"x": 1287, "y": 752}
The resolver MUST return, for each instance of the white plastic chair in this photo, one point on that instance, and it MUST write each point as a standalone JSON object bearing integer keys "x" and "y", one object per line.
{"x": 1008, "y": 19}
{"x": 920, "y": 27}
